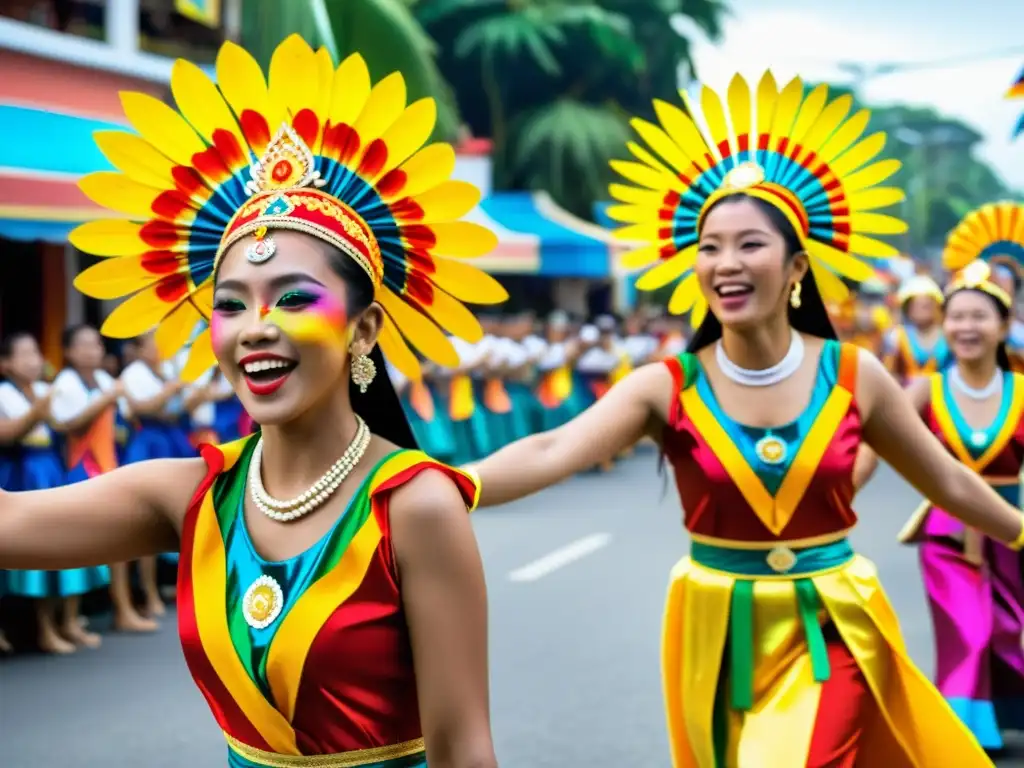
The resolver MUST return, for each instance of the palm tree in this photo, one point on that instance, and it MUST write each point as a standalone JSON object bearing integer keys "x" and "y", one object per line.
{"x": 552, "y": 82}
{"x": 384, "y": 32}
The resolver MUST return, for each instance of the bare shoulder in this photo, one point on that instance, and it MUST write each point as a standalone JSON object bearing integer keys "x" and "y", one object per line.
{"x": 167, "y": 485}
{"x": 428, "y": 498}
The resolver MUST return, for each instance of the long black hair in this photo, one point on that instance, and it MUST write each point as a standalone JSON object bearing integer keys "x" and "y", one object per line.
{"x": 810, "y": 318}
{"x": 1002, "y": 356}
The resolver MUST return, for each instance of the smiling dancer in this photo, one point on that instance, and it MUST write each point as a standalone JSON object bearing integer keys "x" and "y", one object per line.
{"x": 917, "y": 346}
{"x": 340, "y": 621}
{"x": 974, "y": 584}
{"x": 779, "y": 647}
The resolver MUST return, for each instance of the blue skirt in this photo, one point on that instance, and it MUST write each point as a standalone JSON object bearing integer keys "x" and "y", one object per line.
{"x": 39, "y": 469}
{"x": 580, "y": 398}
{"x": 434, "y": 437}
{"x": 158, "y": 440}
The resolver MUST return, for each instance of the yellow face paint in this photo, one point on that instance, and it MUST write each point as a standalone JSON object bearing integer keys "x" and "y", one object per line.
{"x": 322, "y": 321}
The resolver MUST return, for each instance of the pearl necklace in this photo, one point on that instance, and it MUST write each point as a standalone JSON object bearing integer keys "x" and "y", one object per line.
{"x": 315, "y": 495}
{"x": 984, "y": 393}
{"x": 765, "y": 377}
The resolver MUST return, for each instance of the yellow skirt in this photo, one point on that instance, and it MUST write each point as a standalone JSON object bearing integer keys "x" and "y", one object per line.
{"x": 914, "y": 727}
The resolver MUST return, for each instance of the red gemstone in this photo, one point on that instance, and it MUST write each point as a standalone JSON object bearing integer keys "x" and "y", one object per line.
{"x": 282, "y": 170}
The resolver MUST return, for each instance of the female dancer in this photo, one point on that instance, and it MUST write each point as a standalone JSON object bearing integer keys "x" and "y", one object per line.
{"x": 24, "y": 413}
{"x": 779, "y": 645}
{"x": 917, "y": 346}
{"x": 340, "y": 621}
{"x": 974, "y": 585}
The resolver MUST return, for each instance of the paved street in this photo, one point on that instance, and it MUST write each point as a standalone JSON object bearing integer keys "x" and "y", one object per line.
{"x": 574, "y": 654}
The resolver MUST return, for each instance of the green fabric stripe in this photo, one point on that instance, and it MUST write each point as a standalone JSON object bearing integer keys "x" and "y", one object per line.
{"x": 741, "y": 644}
{"x": 808, "y": 604}
{"x": 227, "y": 501}
{"x": 720, "y": 724}
{"x": 689, "y": 365}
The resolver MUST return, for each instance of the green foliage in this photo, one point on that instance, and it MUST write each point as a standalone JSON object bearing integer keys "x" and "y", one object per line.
{"x": 385, "y": 32}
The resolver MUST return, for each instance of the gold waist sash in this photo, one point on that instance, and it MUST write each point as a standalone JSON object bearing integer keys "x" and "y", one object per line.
{"x": 354, "y": 759}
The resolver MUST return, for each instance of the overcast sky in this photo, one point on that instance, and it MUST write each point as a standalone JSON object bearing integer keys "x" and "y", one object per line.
{"x": 808, "y": 37}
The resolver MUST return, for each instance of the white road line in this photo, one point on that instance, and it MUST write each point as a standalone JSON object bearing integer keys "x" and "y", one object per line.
{"x": 561, "y": 557}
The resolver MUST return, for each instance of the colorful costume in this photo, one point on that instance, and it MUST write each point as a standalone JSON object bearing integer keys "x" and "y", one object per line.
{"x": 779, "y": 646}
{"x": 304, "y": 662}
{"x": 94, "y": 451}
{"x": 905, "y": 353}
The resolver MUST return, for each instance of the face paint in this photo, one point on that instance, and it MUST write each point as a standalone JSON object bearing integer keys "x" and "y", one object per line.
{"x": 323, "y": 321}
{"x": 216, "y": 331}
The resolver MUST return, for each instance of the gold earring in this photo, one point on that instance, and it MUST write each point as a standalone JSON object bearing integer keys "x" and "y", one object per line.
{"x": 794, "y": 296}
{"x": 363, "y": 371}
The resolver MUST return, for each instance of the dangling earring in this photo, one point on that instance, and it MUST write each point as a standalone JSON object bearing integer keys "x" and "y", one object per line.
{"x": 794, "y": 296}
{"x": 363, "y": 372}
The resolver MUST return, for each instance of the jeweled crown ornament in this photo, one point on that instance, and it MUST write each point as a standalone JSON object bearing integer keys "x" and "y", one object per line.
{"x": 262, "y": 249}
{"x": 287, "y": 164}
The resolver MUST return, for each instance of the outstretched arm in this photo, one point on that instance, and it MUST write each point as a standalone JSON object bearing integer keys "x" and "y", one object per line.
{"x": 894, "y": 429}
{"x": 117, "y": 517}
{"x": 632, "y": 408}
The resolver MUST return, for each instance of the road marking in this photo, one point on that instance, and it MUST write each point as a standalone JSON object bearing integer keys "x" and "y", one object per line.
{"x": 561, "y": 557}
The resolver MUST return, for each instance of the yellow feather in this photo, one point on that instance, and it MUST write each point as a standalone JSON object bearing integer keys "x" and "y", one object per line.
{"x": 830, "y": 287}
{"x": 641, "y": 257}
{"x": 176, "y": 329}
{"x": 462, "y": 239}
{"x": 684, "y": 296}
{"x": 350, "y": 90}
{"x": 862, "y": 152}
{"x": 767, "y": 100}
{"x": 649, "y": 232}
{"x": 842, "y": 263}
{"x": 448, "y": 201}
{"x": 632, "y": 214}
{"x": 242, "y": 82}
{"x": 634, "y": 196}
{"x": 386, "y": 102}
{"x": 419, "y": 330}
{"x": 660, "y": 142}
{"x": 119, "y": 276}
{"x": 739, "y": 106}
{"x": 645, "y": 176}
{"x": 876, "y": 197}
{"x": 397, "y": 352}
{"x": 117, "y": 192}
{"x": 714, "y": 117}
{"x": 108, "y": 237}
{"x": 827, "y": 123}
{"x": 409, "y": 132}
{"x": 785, "y": 111}
{"x": 201, "y": 357}
{"x": 844, "y": 136}
{"x": 467, "y": 283}
{"x": 453, "y": 316}
{"x": 699, "y": 311}
{"x": 871, "y": 176}
{"x": 293, "y": 82}
{"x": 428, "y": 168}
{"x": 871, "y": 248}
{"x": 648, "y": 159}
{"x": 682, "y": 130}
{"x": 877, "y": 224}
{"x": 668, "y": 271}
{"x": 136, "y": 158}
{"x": 201, "y": 103}
{"x": 162, "y": 127}
{"x": 808, "y": 115}
{"x": 136, "y": 315}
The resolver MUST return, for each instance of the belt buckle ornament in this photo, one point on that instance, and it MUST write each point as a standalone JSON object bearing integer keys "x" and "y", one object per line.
{"x": 771, "y": 450}
{"x": 263, "y": 602}
{"x": 781, "y": 559}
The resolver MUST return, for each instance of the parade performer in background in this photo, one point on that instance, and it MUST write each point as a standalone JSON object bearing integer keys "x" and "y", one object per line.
{"x": 916, "y": 346}
{"x": 83, "y": 406}
{"x": 37, "y": 464}
{"x": 994, "y": 233}
{"x": 976, "y": 408}
{"x": 342, "y": 620}
{"x": 779, "y": 647}
{"x": 429, "y": 426}
{"x": 559, "y": 391}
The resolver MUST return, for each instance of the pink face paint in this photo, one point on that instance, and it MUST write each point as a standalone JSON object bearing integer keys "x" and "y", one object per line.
{"x": 216, "y": 332}
{"x": 323, "y": 322}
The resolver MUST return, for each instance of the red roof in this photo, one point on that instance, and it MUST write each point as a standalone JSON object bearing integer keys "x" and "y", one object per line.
{"x": 474, "y": 147}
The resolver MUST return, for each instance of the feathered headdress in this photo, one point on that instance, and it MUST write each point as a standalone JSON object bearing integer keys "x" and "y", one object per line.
{"x": 314, "y": 148}
{"x": 918, "y": 285}
{"x": 1017, "y": 92}
{"x": 977, "y": 276}
{"x": 803, "y": 155}
{"x": 993, "y": 233}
